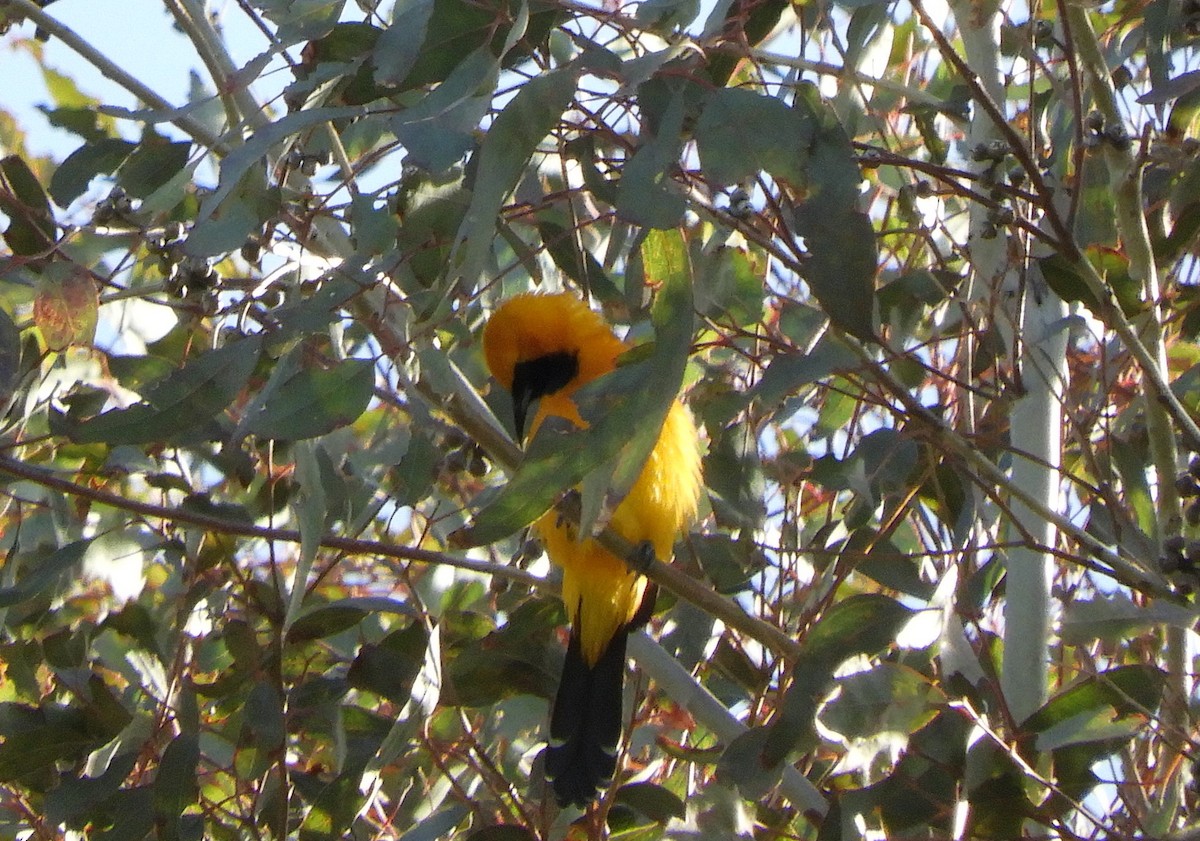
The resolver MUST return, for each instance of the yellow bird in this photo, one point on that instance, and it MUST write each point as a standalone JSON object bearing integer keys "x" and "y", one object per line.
{"x": 543, "y": 348}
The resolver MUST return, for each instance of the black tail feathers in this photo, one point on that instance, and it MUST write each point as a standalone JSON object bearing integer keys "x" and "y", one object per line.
{"x": 585, "y": 727}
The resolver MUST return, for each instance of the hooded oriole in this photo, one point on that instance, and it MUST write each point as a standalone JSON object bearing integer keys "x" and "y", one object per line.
{"x": 544, "y": 348}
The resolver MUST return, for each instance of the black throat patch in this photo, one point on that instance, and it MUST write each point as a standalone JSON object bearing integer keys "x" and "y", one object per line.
{"x": 535, "y": 378}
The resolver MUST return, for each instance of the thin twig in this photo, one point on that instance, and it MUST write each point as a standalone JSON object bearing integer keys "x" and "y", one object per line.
{"x": 1015, "y": 142}
{"x": 240, "y": 106}
{"x": 355, "y": 546}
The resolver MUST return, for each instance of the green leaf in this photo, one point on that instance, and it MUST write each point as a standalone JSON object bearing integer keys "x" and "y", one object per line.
{"x": 324, "y": 622}
{"x": 264, "y": 716}
{"x": 254, "y": 152}
{"x": 1085, "y": 728}
{"x": 928, "y": 781}
{"x": 175, "y": 784}
{"x": 878, "y": 558}
{"x": 135, "y": 372}
{"x": 863, "y": 624}
{"x": 518, "y": 658}
{"x": 333, "y": 810}
{"x": 188, "y": 398}
{"x": 80, "y": 121}
{"x": 456, "y": 28}
{"x": 1184, "y": 211}
{"x": 31, "y": 228}
{"x": 834, "y": 176}
{"x": 432, "y": 213}
{"x": 36, "y": 739}
{"x": 64, "y": 90}
{"x": 729, "y": 287}
{"x": 302, "y": 20}
{"x": 889, "y": 700}
{"x": 754, "y": 23}
{"x": 1129, "y": 690}
{"x": 842, "y": 252}
{"x": 439, "y": 825}
{"x": 666, "y": 266}
{"x": 1069, "y": 282}
{"x": 647, "y": 194}
{"x": 373, "y": 224}
{"x": 841, "y": 266}
{"x": 665, "y": 16}
{"x": 411, "y": 479}
{"x": 439, "y": 129}
{"x": 889, "y": 458}
{"x": 741, "y": 133}
{"x": 153, "y": 163}
{"x": 1114, "y": 617}
{"x": 311, "y": 510}
{"x": 313, "y": 313}
{"x": 75, "y": 797}
{"x": 40, "y": 572}
{"x": 101, "y": 157}
{"x": 398, "y": 47}
{"x": 734, "y": 478}
{"x": 346, "y": 42}
{"x": 1091, "y": 720}
{"x": 315, "y": 401}
{"x": 317, "y": 696}
{"x": 506, "y": 149}
{"x": 582, "y": 150}
{"x": 788, "y": 373}
{"x": 389, "y": 667}
{"x": 1096, "y": 218}
{"x": 1113, "y": 266}
{"x": 653, "y": 801}
{"x": 132, "y": 811}
{"x": 743, "y": 765}
{"x": 728, "y": 563}
{"x": 837, "y": 410}
{"x": 1129, "y": 457}
{"x": 226, "y": 225}
{"x": 575, "y": 260}
{"x": 10, "y": 361}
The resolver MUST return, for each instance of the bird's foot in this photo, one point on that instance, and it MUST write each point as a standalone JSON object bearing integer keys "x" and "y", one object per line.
{"x": 569, "y": 509}
{"x": 643, "y": 557}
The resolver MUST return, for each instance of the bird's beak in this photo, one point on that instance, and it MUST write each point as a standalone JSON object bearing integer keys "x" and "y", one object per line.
{"x": 538, "y": 377}
{"x": 523, "y": 396}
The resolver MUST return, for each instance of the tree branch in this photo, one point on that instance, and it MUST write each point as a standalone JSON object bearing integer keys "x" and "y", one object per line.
{"x": 355, "y": 546}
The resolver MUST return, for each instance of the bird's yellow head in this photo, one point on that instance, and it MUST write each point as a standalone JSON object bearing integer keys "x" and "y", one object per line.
{"x": 537, "y": 345}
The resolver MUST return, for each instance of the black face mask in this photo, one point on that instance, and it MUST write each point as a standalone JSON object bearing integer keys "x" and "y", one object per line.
{"x": 535, "y": 378}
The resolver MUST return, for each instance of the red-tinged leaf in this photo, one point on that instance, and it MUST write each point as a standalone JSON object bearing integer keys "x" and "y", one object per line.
{"x": 67, "y": 308}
